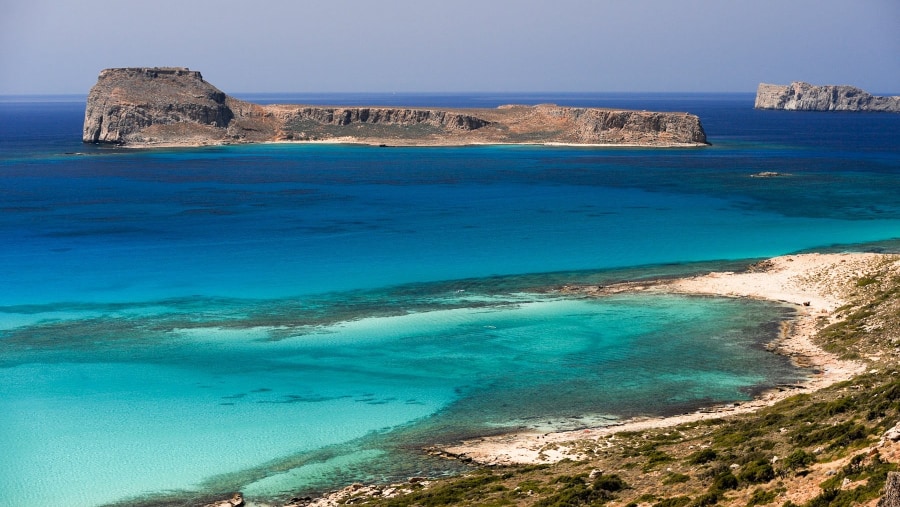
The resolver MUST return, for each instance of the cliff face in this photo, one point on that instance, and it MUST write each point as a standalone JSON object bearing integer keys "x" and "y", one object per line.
{"x": 347, "y": 116}
{"x": 175, "y": 106}
{"x": 127, "y": 101}
{"x": 799, "y": 96}
{"x": 636, "y": 127}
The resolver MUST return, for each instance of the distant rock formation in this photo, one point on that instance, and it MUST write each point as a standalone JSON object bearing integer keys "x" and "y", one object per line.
{"x": 174, "y": 106}
{"x": 144, "y": 105}
{"x": 799, "y": 96}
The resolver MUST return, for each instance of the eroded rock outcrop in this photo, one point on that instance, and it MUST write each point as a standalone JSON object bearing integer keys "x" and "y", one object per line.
{"x": 799, "y": 96}
{"x": 635, "y": 127}
{"x": 127, "y": 101}
{"x": 175, "y": 106}
{"x": 891, "y": 496}
{"x": 347, "y": 116}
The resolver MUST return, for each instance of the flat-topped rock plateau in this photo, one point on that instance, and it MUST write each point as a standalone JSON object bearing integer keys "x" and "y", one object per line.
{"x": 174, "y": 106}
{"x": 800, "y": 96}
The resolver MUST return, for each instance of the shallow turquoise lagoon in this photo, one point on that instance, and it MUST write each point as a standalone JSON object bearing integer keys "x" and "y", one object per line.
{"x": 254, "y": 408}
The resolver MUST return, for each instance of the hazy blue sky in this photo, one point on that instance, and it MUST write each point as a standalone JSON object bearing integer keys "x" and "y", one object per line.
{"x": 59, "y": 46}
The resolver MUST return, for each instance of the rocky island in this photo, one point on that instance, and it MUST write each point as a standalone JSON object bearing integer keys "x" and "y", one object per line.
{"x": 800, "y": 96}
{"x": 175, "y": 106}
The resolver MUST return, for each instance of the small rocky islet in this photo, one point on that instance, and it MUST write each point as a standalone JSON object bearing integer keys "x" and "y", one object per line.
{"x": 800, "y": 96}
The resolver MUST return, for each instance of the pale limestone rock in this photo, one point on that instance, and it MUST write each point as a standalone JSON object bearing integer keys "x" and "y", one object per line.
{"x": 800, "y": 96}
{"x": 891, "y": 496}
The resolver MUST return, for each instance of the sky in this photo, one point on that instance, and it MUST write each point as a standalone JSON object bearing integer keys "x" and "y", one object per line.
{"x": 297, "y": 46}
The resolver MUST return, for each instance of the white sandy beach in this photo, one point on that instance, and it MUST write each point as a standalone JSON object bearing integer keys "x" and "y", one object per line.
{"x": 402, "y": 143}
{"x": 816, "y": 284}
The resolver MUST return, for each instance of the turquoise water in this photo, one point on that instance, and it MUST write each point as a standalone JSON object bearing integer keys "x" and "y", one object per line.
{"x": 284, "y": 319}
{"x": 165, "y": 407}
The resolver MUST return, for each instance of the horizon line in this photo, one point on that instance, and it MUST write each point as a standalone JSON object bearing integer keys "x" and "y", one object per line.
{"x": 419, "y": 92}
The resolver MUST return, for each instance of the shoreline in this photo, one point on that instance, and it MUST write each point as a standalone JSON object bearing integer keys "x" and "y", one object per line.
{"x": 393, "y": 143}
{"x": 816, "y": 285}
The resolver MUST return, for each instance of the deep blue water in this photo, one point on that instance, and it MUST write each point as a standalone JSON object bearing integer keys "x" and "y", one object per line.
{"x": 289, "y": 318}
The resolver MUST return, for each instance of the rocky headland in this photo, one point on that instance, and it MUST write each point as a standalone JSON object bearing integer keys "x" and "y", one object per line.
{"x": 175, "y": 106}
{"x": 800, "y": 96}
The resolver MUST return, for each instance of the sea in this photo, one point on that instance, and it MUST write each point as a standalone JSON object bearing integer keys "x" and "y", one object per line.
{"x": 287, "y": 319}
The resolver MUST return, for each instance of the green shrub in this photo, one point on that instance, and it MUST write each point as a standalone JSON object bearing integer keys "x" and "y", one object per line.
{"x": 839, "y": 406}
{"x": 799, "y": 459}
{"x": 678, "y": 501}
{"x": 569, "y": 479}
{"x": 702, "y": 456}
{"x": 731, "y": 439}
{"x": 676, "y": 478}
{"x": 892, "y": 392}
{"x": 655, "y": 457}
{"x": 706, "y": 500}
{"x": 854, "y": 466}
{"x": 764, "y": 444}
{"x": 576, "y": 492}
{"x": 724, "y": 482}
{"x": 611, "y": 483}
{"x": 864, "y": 281}
{"x": 875, "y": 475}
{"x": 838, "y": 435}
{"x": 757, "y": 472}
{"x": 825, "y": 498}
{"x": 855, "y": 433}
{"x": 761, "y": 497}
{"x": 453, "y": 493}
{"x": 773, "y": 419}
{"x": 533, "y": 486}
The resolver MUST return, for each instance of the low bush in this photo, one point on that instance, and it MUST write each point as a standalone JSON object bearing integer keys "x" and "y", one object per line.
{"x": 575, "y": 491}
{"x": 761, "y": 497}
{"x": 675, "y": 478}
{"x": 799, "y": 459}
{"x": 678, "y": 501}
{"x": 702, "y": 456}
{"x": 724, "y": 482}
{"x": 757, "y": 472}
